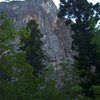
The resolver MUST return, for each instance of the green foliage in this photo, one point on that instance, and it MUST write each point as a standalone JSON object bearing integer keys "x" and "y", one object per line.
{"x": 85, "y": 18}
{"x": 97, "y": 89}
{"x": 96, "y": 40}
{"x": 32, "y": 45}
{"x": 80, "y": 97}
{"x": 16, "y": 80}
{"x": 76, "y": 89}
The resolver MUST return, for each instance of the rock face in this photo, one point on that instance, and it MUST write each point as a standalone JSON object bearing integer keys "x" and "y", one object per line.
{"x": 56, "y": 36}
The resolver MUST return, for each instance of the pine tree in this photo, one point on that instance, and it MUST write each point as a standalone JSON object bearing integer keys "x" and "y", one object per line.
{"x": 33, "y": 47}
{"x": 82, "y": 11}
{"x": 96, "y": 41}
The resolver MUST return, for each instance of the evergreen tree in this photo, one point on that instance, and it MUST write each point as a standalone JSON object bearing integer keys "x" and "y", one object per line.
{"x": 33, "y": 47}
{"x": 82, "y": 11}
{"x": 16, "y": 75}
{"x": 96, "y": 41}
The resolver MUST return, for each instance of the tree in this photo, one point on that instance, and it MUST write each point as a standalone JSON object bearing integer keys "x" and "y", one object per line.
{"x": 32, "y": 45}
{"x": 82, "y": 11}
{"x": 96, "y": 41}
{"x": 16, "y": 75}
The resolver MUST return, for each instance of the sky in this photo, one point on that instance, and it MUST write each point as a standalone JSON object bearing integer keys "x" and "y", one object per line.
{"x": 93, "y": 1}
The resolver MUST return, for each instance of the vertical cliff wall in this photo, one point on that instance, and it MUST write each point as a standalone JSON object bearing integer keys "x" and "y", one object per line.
{"x": 56, "y": 36}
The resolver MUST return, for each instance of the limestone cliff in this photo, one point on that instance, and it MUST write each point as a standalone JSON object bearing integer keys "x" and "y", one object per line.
{"x": 57, "y": 39}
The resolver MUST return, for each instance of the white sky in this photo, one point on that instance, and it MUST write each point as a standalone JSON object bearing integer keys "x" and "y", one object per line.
{"x": 93, "y": 1}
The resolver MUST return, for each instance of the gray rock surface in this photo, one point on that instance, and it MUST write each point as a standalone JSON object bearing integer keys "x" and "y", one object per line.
{"x": 56, "y": 36}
